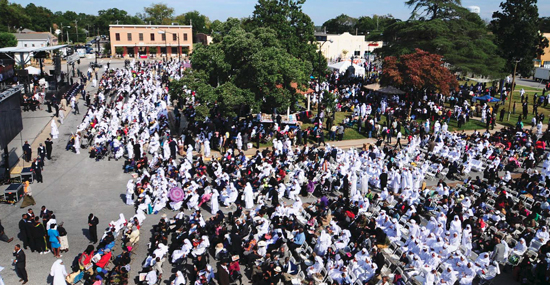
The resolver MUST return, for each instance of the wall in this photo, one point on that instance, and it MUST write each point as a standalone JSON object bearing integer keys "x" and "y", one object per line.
{"x": 135, "y": 44}
{"x": 346, "y": 41}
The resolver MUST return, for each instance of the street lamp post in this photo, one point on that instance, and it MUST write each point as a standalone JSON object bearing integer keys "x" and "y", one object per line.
{"x": 320, "y": 72}
{"x": 177, "y": 36}
{"x": 512, "y": 91}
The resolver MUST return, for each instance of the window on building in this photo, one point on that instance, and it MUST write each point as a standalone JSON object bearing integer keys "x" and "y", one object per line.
{"x": 140, "y": 37}
{"x": 117, "y": 37}
{"x": 357, "y": 53}
{"x": 129, "y": 36}
{"x": 174, "y": 50}
{"x": 152, "y": 36}
{"x": 32, "y": 45}
{"x": 174, "y": 37}
{"x": 25, "y": 45}
{"x": 163, "y": 36}
{"x": 184, "y": 37}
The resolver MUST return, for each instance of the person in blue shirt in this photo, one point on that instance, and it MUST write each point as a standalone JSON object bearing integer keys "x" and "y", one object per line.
{"x": 299, "y": 239}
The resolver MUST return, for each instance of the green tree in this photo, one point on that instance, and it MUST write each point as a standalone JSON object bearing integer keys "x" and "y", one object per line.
{"x": 432, "y": 9}
{"x": 109, "y": 17}
{"x": 158, "y": 14}
{"x": 7, "y": 40}
{"x": 544, "y": 26}
{"x": 290, "y": 23}
{"x": 245, "y": 70}
{"x": 516, "y": 29}
{"x": 41, "y": 17}
{"x": 462, "y": 38}
{"x": 12, "y": 17}
{"x": 341, "y": 24}
{"x": 201, "y": 23}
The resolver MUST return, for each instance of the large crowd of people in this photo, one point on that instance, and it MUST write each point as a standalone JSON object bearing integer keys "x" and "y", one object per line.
{"x": 299, "y": 212}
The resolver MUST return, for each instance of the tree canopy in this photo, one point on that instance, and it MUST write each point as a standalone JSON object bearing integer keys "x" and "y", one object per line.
{"x": 461, "y": 37}
{"x": 158, "y": 14}
{"x": 250, "y": 68}
{"x": 371, "y": 27}
{"x": 420, "y": 70}
{"x": 7, "y": 40}
{"x": 516, "y": 28}
{"x": 431, "y": 9}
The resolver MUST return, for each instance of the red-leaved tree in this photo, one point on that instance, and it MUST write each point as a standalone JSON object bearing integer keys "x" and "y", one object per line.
{"x": 420, "y": 70}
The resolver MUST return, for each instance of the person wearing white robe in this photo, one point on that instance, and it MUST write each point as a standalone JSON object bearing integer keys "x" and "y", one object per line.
{"x": 448, "y": 276}
{"x": 467, "y": 240}
{"x": 130, "y": 192}
{"x": 58, "y": 272}
{"x": 189, "y": 153}
{"x": 248, "y": 196}
{"x": 467, "y": 274}
{"x": 520, "y": 248}
{"x": 323, "y": 243}
{"x": 77, "y": 143}
{"x": 207, "y": 149}
{"x": 54, "y": 131}
{"x": 456, "y": 225}
{"x": 214, "y": 204}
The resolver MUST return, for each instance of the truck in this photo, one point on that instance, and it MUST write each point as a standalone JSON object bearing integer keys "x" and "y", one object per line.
{"x": 542, "y": 74}
{"x": 81, "y": 52}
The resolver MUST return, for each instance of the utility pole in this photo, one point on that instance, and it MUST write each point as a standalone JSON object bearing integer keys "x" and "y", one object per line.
{"x": 76, "y": 29}
{"x": 512, "y": 92}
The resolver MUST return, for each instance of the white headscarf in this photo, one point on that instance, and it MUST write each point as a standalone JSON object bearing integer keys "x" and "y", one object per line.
{"x": 180, "y": 279}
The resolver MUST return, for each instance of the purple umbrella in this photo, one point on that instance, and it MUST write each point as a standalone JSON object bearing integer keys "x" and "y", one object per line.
{"x": 176, "y": 194}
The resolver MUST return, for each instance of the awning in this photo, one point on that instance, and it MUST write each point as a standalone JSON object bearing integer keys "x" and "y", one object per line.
{"x": 390, "y": 90}
{"x": 374, "y": 86}
{"x": 30, "y": 49}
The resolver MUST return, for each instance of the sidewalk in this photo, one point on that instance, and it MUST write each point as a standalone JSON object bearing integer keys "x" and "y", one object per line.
{"x": 44, "y": 133}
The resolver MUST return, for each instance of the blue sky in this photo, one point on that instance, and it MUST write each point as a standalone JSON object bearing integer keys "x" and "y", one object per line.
{"x": 318, "y": 10}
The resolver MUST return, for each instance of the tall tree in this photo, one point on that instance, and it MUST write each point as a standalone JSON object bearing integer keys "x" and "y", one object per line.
{"x": 7, "y": 40}
{"x": 112, "y": 16}
{"x": 516, "y": 29}
{"x": 12, "y": 17}
{"x": 340, "y": 24}
{"x": 432, "y": 9}
{"x": 462, "y": 38}
{"x": 158, "y": 14}
{"x": 421, "y": 70}
{"x": 41, "y": 17}
{"x": 201, "y": 23}
{"x": 287, "y": 19}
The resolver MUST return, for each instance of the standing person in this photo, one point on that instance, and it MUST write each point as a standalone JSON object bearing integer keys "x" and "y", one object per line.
{"x": 24, "y": 234}
{"x": 3, "y": 236}
{"x": 27, "y": 151}
{"x": 20, "y": 264}
{"x": 223, "y": 273}
{"x": 54, "y": 240}
{"x": 58, "y": 272}
{"x": 54, "y": 131}
{"x": 63, "y": 240}
{"x": 92, "y": 225}
{"x": 39, "y": 236}
{"x": 42, "y": 152}
{"x": 49, "y": 145}
{"x": 37, "y": 170}
{"x": 61, "y": 116}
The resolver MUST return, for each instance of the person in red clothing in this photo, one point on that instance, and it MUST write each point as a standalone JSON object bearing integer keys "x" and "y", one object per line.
{"x": 234, "y": 268}
{"x": 85, "y": 260}
{"x": 105, "y": 258}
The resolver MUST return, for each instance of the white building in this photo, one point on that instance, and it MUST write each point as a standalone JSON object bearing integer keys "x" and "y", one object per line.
{"x": 345, "y": 45}
{"x": 35, "y": 39}
{"x": 474, "y": 9}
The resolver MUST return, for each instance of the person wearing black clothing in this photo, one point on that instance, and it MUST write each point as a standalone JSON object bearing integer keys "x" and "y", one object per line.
{"x": 378, "y": 258}
{"x": 20, "y": 263}
{"x": 27, "y": 151}
{"x": 92, "y": 226}
{"x": 39, "y": 236}
{"x": 383, "y": 180}
{"x": 42, "y": 152}
{"x": 223, "y": 273}
{"x": 24, "y": 234}
{"x": 37, "y": 170}
{"x": 49, "y": 145}
{"x": 3, "y": 236}
{"x": 173, "y": 148}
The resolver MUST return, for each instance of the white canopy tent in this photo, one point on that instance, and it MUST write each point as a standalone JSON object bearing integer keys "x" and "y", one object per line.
{"x": 342, "y": 66}
{"x": 32, "y": 70}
